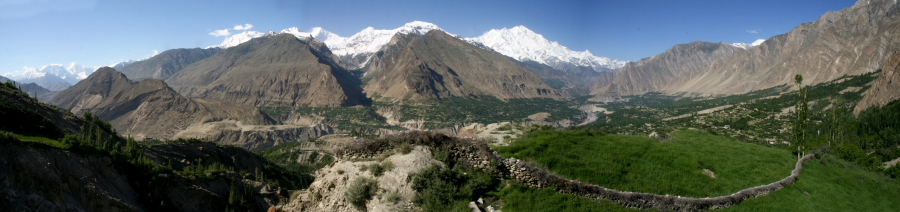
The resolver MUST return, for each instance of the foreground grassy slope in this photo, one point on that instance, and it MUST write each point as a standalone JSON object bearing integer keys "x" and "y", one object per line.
{"x": 635, "y": 163}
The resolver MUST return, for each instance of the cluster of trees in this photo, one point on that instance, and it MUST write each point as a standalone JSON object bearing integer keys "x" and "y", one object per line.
{"x": 484, "y": 109}
{"x": 868, "y": 139}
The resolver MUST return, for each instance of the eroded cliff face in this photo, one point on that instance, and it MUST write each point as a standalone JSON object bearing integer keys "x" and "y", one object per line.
{"x": 886, "y": 88}
{"x": 437, "y": 65}
{"x": 47, "y": 179}
{"x": 253, "y": 137}
{"x": 852, "y": 41}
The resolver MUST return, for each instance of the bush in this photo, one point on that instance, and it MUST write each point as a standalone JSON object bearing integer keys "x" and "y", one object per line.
{"x": 404, "y": 148}
{"x": 440, "y": 189}
{"x": 393, "y": 197}
{"x": 894, "y": 171}
{"x": 504, "y": 128}
{"x": 361, "y": 191}
{"x": 376, "y": 169}
{"x": 8, "y": 137}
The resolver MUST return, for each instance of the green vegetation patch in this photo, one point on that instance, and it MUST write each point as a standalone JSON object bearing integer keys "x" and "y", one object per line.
{"x": 518, "y": 197}
{"x": 641, "y": 164}
{"x": 484, "y": 109}
{"x": 342, "y": 118}
{"x": 287, "y": 154}
{"x": 831, "y": 184}
{"x": 826, "y": 184}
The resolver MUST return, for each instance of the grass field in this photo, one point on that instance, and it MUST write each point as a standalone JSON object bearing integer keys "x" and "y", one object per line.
{"x": 635, "y": 163}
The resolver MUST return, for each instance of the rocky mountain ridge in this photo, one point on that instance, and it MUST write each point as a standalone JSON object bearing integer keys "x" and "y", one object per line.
{"x": 653, "y": 73}
{"x": 439, "y": 65}
{"x": 279, "y": 70}
{"x": 149, "y": 109}
{"x": 166, "y": 63}
{"x": 852, "y": 41}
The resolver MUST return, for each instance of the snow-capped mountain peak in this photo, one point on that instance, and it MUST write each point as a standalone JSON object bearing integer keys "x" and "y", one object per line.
{"x": 523, "y": 44}
{"x": 238, "y": 39}
{"x": 370, "y": 40}
{"x": 318, "y": 33}
{"x": 749, "y": 45}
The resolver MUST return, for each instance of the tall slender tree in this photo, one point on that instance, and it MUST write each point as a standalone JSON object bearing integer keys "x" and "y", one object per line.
{"x": 801, "y": 111}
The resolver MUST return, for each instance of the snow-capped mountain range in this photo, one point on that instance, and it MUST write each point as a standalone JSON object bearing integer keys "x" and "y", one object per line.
{"x": 58, "y": 76}
{"x": 519, "y": 43}
{"x": 749, "y": 45}
{"x": 523, "y": 44}
{"x": 367, "y": 41}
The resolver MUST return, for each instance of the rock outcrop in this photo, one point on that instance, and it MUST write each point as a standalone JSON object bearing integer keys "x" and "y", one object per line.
{"x": 438, "y": 65}
{"x": 886, "y": 88}
{"x": 253, "y": 137}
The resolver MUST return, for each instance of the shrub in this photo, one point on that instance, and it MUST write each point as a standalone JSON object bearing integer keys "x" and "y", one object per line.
{"x": 8, "y": 137}
{"x": 504, "y": 128}
{"x": 894, "y": 171}
{"x": 379, "y": 169}
{"x": 376, "y": 169}
{"x": 387, "y": 165}
{"x": 443, "y": 189}
{"x": 404, "y": 148}
{"x": 361, "y": 191}
{"x": 393, "y": 197}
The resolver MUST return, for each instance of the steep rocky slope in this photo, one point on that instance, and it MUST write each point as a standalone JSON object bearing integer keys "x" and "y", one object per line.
{"x": 438, "y": 65}
{"x": 651, "y": 74}
{"x": 46, "y": 179}
{"x": 272, "y": 70}
{"x": 148, "y": 109}
{"x": 851, "y": 41}
{"x": 87, "y": 173}
{"x": 886, "y": 88}
{"x": 166, "y": 63}
{"x": 151, "y": 110}
{"x": 26, "y": 115}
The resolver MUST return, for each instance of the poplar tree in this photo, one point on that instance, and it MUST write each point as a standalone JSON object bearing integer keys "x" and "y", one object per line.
{"x": 801, "y": 112}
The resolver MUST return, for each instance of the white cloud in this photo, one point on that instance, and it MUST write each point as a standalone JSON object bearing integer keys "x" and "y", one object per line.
{"x": 754, "y": 31}
{"x": 243, "y": 27}
{"x": 220, "y": 33}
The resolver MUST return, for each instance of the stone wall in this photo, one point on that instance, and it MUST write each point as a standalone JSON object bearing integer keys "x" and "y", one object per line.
{"x": 476, "y": 154}
{"x": 539, "y": 178}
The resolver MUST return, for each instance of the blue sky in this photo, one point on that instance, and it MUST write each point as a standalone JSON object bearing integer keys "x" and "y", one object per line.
{"x": 99, "y": 32}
